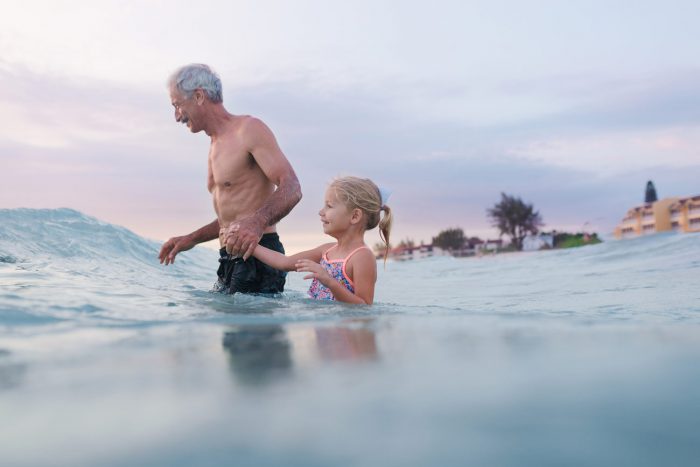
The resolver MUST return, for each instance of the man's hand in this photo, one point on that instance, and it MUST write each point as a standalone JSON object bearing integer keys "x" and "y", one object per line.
{"x": 174, "y": 246}
{"x": 317, "y": 271}
{"x": 242, "y": 237}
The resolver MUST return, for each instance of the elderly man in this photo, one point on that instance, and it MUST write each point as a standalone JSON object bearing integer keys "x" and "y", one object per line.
{"x": 252, "y": 184}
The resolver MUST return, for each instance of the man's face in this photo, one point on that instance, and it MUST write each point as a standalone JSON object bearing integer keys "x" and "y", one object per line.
{"x": 184, "y": 108}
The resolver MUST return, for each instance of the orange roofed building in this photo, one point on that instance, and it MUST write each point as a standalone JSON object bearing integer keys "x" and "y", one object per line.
{"x": 668, "y": 214}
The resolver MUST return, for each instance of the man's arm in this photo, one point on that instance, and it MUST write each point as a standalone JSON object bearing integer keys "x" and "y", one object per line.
{"x": 268, "y": 155}
{"x": 177, "y": 244}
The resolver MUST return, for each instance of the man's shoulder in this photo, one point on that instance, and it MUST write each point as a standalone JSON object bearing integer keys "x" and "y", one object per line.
{"x": 249, "y": 127}
{"x": 248, "y": 122}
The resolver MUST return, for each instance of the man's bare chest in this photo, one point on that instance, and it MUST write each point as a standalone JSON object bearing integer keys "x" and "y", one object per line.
{"x": 230, "y": 162}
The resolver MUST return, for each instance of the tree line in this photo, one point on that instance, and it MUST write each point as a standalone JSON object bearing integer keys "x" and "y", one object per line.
{"x": 511, "y": 216}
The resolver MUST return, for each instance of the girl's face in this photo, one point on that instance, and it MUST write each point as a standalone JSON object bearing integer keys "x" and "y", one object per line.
{"x": 335, "y": 216}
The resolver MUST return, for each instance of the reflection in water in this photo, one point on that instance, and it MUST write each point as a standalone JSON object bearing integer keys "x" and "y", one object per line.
{"x": 346, "y": 343}
{"x": 258, "y": 354}
{"x": 11, "y": 374}
{"x": 261, "y": 354}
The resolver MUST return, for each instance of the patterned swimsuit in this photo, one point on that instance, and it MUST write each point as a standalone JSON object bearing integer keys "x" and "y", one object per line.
{"x": 336, "y": 269}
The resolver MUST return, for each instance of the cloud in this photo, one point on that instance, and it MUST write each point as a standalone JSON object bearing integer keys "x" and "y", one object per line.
{"x": 618, "y": 152}
{"x": 47, "y": 111}
{"x": 618, "y": 127}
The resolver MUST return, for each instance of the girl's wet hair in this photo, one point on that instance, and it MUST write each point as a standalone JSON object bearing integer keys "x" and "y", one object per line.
{"x": 363, "y": 194}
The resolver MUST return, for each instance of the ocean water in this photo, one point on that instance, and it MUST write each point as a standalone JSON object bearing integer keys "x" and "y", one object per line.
{"x": 580, "y": 357}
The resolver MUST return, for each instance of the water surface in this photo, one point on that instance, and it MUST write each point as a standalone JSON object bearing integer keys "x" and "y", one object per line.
{"x": 586, "y": 356}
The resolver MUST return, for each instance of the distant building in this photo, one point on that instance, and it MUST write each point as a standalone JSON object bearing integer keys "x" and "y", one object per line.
{"x": 685, "y": 214}
{"x": 538, "y": 242}
{"x": 473, "y": 246}
{"x": 475, "y": 242}
{"x": 470, "y": 247}
{"x": 489, "y": 245}
{"x": 408, "y": 253}
{"x": 668, "y": 214}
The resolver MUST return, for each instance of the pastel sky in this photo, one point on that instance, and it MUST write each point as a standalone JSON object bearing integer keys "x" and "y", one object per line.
{"x": 572, "y": 106}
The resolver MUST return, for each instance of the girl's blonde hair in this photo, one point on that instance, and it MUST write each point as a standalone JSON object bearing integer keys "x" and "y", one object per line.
{"x": 363, "y": 194}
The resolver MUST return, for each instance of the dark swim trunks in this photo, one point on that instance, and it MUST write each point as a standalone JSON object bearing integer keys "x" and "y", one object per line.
{"x": 251, "y": 276}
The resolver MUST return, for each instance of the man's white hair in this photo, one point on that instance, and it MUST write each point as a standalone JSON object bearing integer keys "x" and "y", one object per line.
{"x": 195, "y": 76}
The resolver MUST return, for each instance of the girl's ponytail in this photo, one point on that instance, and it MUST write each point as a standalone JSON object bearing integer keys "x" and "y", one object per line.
{"x": 385, "y": 229}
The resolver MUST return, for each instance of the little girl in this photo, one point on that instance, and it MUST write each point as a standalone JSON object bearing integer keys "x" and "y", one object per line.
{"x": 345, "y": 270}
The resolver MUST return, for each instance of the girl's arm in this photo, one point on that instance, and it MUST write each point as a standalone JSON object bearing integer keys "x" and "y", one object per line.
{"x": 288, "y": 263}
{"x": 364, "y": 276}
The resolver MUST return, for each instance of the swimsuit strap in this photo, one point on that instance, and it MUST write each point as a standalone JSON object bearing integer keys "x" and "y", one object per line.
{"x": 355, "y": 251}
{"x": 325, "y": 253}
{"x": 345, "y": 263}
{"x": 344, "y": 260}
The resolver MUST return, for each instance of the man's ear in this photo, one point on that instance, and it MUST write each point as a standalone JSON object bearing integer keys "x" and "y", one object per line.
{"x": 356, "y": 216}
{"x": 199, "y": 96}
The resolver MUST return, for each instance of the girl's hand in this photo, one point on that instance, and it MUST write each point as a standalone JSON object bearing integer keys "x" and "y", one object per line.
{"x": 316, "y": 270}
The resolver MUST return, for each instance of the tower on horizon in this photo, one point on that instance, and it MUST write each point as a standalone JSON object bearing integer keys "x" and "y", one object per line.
{"x": 650, "y": 194}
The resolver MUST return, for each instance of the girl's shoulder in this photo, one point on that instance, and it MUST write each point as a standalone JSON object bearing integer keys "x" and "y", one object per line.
{"x": 362, "y": 260}
{"x": 363, "y": 253}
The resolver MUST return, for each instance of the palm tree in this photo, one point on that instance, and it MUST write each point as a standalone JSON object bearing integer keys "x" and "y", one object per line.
{"x": 515, "y": 218}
